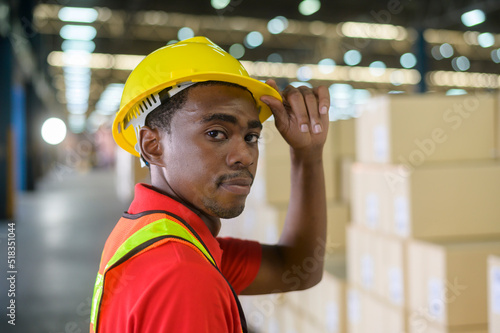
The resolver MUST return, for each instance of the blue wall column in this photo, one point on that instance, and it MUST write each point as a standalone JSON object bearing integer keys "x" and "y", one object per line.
{"x": 6, "y": 154}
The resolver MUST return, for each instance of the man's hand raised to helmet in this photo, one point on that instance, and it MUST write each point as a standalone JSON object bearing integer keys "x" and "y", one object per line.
{"x": 302, "y": 118}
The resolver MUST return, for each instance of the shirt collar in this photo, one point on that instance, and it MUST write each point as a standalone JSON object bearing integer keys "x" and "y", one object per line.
{"x": 147, "y": 198}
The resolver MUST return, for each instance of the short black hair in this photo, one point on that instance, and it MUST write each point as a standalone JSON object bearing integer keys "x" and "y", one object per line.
{"x": 161, "y": 117}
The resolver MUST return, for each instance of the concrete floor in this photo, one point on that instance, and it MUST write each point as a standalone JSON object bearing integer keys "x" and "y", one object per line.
{"x": 61, "y": 230}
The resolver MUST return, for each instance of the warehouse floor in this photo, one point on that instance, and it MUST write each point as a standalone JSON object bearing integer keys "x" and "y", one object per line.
{"x": 61, "y": 229}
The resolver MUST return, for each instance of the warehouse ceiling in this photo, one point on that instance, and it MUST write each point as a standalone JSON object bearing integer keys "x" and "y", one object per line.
{"x": 135, "y": 28}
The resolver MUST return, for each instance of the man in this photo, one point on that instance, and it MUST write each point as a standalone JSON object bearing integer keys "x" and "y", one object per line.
{"x": 194, "y": 116}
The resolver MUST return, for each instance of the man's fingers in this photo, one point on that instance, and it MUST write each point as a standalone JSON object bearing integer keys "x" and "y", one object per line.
{"x": 277, "y": 108}
{"x": 295, "y": 98}
{"x": 311, "y": 103}
{"x": 323, "y": 95}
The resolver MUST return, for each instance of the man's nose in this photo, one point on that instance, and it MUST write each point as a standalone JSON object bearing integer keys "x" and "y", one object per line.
{"x": 241, "y": 154}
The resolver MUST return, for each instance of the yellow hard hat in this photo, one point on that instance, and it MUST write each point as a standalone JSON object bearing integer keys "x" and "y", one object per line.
{"x": 178, "y": 65}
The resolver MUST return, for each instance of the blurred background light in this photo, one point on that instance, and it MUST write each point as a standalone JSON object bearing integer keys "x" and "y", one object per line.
{"x": 185, "y": 33}
{"x": 446, "y": 50}
{"x": 173, "y": 41}
{"x": 486, "y": 39}
{"x": 78, "y": 45}
{"x": 408, "y": 60}
{"x": 377, "y": 68}
{"x": 253, "y": 39}
{"x": 495, "y": 56}
{"x": 237, "y": 50}
{"x": 436, "y": 53}
{"x": 109, "y": 101}
{"x": 274, "y": 57}
{"x": 78, "y": 14}
{"x": 309, "y": 7}
{"x": 473, "y": 17}
{"x": 454, "y": 92}
{"x": 277, "y": 25}
{"x": 77, "y": 123}
{"x": 304, "y": 73}
{"x": 352, "y": 57}
{"x": 326, "y": 66}
{"x": 297, "y": 84}
{"x": 397, "y": 77}
{"x": 78, "y": 32}
{"x": 373, "y": 30}
{"x": 53, "y": 131}
{"x": 219, "y": 4}
{"x": 460, "y": 64}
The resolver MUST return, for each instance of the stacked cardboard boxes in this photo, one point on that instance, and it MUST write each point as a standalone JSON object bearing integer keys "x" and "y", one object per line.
{"x": 494, "y": 293}
{"x": 425, "y": 213}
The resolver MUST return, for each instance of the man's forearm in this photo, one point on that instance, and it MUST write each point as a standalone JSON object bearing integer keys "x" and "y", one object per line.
{"x": 304, "y": 233}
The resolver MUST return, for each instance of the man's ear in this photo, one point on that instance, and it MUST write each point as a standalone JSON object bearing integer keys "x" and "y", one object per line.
{"x": 150, "y": 144}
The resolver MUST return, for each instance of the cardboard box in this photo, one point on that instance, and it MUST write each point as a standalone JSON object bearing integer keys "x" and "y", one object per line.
{"x": 438, "y": 201}
{"x": 425, "y": 327}
{"x": 363, "y": 259}
{"x": 376, "y": 263}
{"x": 344, "y": 134}
{"x": 370, "y": 197}
{"x": 494, "y": 293}
{"x": 426, "y": 128}
{"x": 367, "y": 314}
{"x": 345, "y": 178}
{"x": 447, "y": 282}
{"x": 337, "y": 220}
{"x": 275, "y": 161}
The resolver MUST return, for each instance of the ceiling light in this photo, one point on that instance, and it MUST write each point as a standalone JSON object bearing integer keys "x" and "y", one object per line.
{"x": 495, "y": 56}
{"x": 309, "y": 7}
{"x": 455, "y": 92}
{"x": 274, "y": 57}
{"x": 352, "y": 57}
{"x": 237, "y": 50}
{"x": 53, "y": 131}
{"x": 78, "y": 14}
{"x": 377, "y": 68}
{"x": 253, "y": 39}
{"x": 446, "y": 50}
{"x": 304, "y": 73}
{"x": 185, "y": 33}
{"x": 460, "y": 64}
{"x": 277, "y": 25}
{"x": 78, "y": 45}
{"x": 408, "y": 60}
{"x": 474, "y": 17}
{"x": 486, "y": 39}
{"x": 326, "y": 66}
{"x": 78, "y": 32}
{"x": 219, "y": 4}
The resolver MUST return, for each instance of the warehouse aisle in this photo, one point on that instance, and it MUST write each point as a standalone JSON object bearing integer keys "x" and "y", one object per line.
{"x": 61, "y": 229}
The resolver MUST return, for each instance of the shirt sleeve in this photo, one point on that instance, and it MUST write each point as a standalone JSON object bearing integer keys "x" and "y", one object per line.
{"x": 240, "y": 261}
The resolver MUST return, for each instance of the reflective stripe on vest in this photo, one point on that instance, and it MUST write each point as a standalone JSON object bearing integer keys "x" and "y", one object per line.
{"x": 158, "y": 227}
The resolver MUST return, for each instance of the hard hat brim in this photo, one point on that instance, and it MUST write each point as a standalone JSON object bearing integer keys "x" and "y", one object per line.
{"x": 126, "y": 137}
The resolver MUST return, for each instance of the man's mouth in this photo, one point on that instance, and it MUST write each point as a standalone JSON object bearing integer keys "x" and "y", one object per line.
{"x": 237, "y": 184}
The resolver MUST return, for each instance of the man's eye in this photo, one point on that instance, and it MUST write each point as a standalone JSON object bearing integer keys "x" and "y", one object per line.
{"x": 252, "y": 138}
{"x": 219, "y": 135}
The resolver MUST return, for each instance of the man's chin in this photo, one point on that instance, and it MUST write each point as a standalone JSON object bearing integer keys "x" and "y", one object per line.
{"x": 225, "y": 212}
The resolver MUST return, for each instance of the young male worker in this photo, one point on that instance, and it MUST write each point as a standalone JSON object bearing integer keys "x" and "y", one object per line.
{"x": 193, "y": 114}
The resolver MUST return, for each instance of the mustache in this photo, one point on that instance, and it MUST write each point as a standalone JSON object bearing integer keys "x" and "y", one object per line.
{"x": 240, "y": 174}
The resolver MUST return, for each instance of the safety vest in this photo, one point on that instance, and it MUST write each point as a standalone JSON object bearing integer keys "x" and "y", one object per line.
{"x": 136, "y": 234}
